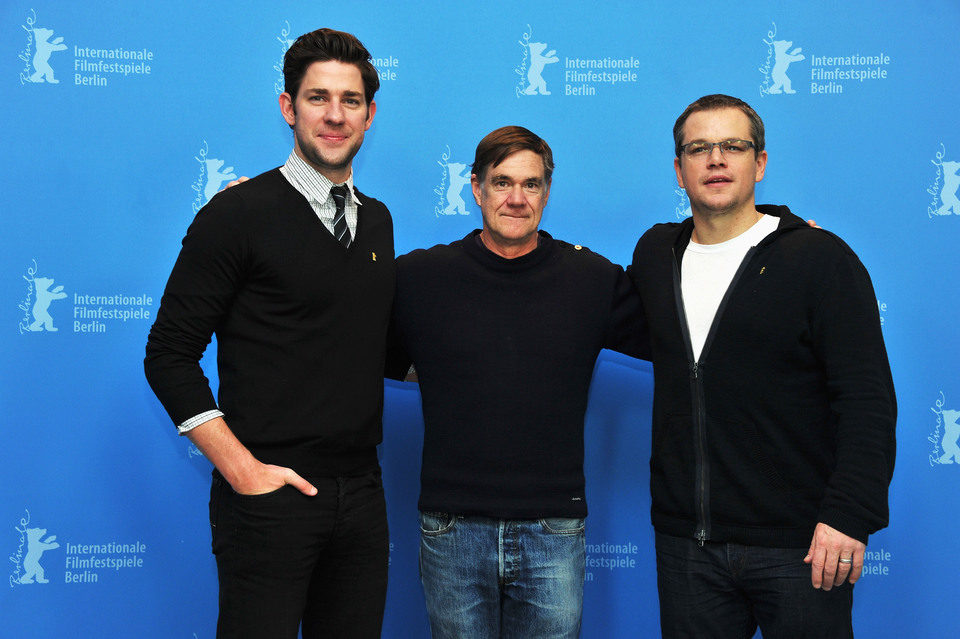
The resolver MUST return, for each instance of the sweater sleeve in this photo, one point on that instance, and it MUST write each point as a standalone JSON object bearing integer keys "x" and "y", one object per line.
{"x": 627, "y": 327}
{"x": 848, "y": 341}
{"x": 398, "y": 362}
{"x": 204, "y": 281}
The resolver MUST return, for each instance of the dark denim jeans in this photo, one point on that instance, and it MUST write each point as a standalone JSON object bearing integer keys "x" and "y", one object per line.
{"x": 284, "y": 558}
{"x": 486, "y": 578}
{"x": 726, "y": 590}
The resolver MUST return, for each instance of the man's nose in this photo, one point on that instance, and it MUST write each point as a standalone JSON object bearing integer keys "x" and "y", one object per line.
{"x": 334, "y": 112}
{"x": 515, "y": 197}
{"x": 716, "y": 157}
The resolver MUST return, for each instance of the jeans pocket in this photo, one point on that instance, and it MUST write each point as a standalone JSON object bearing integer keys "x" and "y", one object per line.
{"x": 563, "y": 525}
{"x": 271, "y": 493}
{"x": 433, "y": 524}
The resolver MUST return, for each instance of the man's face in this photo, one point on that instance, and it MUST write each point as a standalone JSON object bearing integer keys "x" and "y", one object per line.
{"x": 716, "y": 184}
{"x": 511, "y": 199}
{"x": 329, "y": 117}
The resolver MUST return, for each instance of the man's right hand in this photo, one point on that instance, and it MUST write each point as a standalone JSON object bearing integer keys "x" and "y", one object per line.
{"x": 266, "y": 478}
{"x": 245, "y": 473}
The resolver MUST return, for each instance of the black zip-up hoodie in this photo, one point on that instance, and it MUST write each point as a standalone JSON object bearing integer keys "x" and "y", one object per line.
{"x": 787, "y": 419}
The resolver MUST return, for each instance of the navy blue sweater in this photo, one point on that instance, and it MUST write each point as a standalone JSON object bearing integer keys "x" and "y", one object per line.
{"x": 504, "y": 350}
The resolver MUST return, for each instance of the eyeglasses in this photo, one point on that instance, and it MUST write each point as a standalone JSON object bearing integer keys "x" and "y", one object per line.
{"x": 728, "y": 148}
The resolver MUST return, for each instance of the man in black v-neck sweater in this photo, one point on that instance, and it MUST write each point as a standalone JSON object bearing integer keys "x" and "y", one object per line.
{"x": 294, "y": 273}
{"x": 504, "y": 328}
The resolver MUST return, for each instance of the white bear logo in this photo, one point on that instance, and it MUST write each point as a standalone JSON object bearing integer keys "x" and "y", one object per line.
{"x": 951, "y": 183}
{"x": 538, "y": 60}
{"x": 951, "y": 435}
{"x": 42, "y": 319}
{"x": 784, "y": 58}
{"x": 455, "y": 203}
{"x": 216, "y": 177}
{"x": 36, "y": 546}
{"x": 45, "y": 47}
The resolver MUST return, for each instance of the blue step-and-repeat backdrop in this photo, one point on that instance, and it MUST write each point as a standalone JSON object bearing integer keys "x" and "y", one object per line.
{"x": 121, "y": 119}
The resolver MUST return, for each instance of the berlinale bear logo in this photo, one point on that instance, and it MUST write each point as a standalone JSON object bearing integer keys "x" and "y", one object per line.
{"x": 36, "y": 305}
{"x": 26, "y": 559}
{"x": 455, "y": 176}
{"x": 36, "y": 546}
{"x": 951, "y": 433}
{"x": 41, "y": 58}
{"x": 946, "y": 435}
{"x": 948, "y": 194}
{"x": 784, "y": 58}
{"x": 779, "y": 59}
{"x": 946, "y": 184}
{"x": 538, "y": 60}
{"x": 42, "y": 319}
{"x": 531, "y": 67}
{"x": 455, "y": 203}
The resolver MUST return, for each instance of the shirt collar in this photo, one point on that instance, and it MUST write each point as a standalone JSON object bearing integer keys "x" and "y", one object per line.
{"x": 313, "y": 184}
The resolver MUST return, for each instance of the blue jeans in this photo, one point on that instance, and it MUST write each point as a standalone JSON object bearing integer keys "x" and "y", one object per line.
{"x": 486, "y": 578}
{"x": 726, "y": 590}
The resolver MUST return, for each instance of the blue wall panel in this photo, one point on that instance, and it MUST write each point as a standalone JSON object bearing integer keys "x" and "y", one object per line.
{"x": 106, "y": 157}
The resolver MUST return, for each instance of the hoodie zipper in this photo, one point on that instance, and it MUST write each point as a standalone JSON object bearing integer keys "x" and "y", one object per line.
{"x": 701, "y": 458}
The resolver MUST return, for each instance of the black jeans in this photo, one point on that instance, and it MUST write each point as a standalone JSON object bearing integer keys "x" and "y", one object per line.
{"x": 726, "y": 590}
{"x": 284, "y": 559}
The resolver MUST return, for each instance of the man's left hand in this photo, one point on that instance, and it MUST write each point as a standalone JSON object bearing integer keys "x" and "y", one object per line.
{"x": 834, "y": 557}
{"x": 244, "y": 178}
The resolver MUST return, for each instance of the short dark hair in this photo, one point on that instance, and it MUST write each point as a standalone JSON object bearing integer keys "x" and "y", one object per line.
{"x": 322, "y": 45}
{"x": 505, "y": 141}
{"x": 712, "y": 103}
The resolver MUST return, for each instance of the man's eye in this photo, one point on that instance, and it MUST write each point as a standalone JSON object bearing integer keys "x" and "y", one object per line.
{"x": 696, "y": 149}
{"x": 734, "y": 146}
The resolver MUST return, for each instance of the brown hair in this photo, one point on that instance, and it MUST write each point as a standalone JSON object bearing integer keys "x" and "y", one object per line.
{"x": 505, "y": 141}
{"x": 712, "y": 103}
{"x": 322, "y": 45}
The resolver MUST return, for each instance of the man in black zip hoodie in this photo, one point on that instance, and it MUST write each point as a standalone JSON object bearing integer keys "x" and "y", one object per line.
{"x": 774, "y": 410}
{"x": 293, "y": 270}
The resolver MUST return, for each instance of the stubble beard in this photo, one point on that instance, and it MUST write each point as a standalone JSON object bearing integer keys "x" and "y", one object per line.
{"x": 333, "y": 164}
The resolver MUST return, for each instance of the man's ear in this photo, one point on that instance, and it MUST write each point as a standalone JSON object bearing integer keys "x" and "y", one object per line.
{"x": 371, "y": 110}
{"x": 475, "y": 185}
{"x": 287, "y": 108}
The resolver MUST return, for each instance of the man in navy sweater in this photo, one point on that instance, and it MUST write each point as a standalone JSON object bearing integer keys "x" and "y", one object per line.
{"x": 504, "y": 327}
{"x": 774, "y": 410}
{"x": 294, "y": 272}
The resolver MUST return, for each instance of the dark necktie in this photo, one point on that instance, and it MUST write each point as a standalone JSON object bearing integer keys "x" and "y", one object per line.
{"x": 340, "y": 229}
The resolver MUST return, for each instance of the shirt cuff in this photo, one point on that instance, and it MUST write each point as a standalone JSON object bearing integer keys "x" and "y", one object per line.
{"x": 196, "y": 420}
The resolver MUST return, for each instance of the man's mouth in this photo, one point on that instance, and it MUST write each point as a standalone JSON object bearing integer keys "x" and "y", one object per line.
{"x": 717, "y": 179}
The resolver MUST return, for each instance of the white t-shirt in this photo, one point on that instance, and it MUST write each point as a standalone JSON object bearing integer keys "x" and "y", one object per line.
{"x": 706, "y": 272}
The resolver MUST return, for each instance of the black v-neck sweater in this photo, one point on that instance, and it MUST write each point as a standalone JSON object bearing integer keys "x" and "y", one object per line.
{"x": 300, "y": 323}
